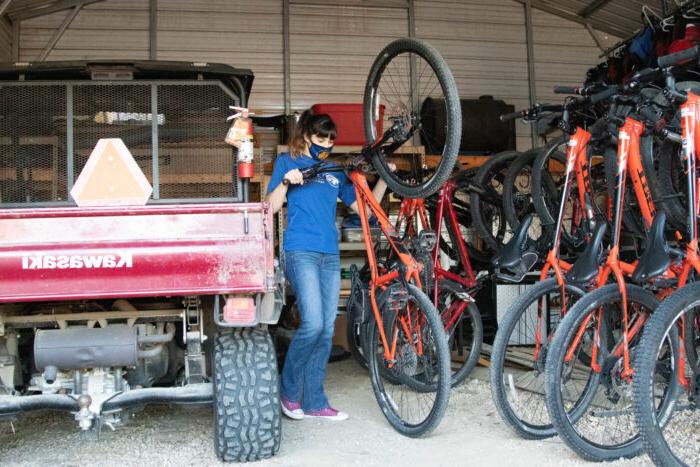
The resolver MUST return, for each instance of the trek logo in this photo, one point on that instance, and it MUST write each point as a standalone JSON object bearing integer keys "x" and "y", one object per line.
{"x": 118, "y": 260}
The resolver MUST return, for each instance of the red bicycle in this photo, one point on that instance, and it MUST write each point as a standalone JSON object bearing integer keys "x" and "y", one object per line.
{"x": 452, "y": 287}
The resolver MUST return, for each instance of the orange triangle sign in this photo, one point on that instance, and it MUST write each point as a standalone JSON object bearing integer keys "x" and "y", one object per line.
{"x": 111, "y": 177}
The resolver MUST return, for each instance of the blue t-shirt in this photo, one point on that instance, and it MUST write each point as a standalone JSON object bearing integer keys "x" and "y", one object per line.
{"x": 311, "y": 207}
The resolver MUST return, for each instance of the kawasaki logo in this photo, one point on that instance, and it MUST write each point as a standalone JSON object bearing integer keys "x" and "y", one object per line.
{"x": 119, "y": 260}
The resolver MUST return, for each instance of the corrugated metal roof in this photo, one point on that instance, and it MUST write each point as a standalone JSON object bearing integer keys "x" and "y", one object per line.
{"x": 617, "y": 17}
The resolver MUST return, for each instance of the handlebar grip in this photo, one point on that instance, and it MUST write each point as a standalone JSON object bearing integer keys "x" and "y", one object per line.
{"x": 601, "y": 96}
{"x": 645, "y": 75}
{"x": 682, "y": 56}
{"x": 567, "y": 90}
{"x": 513, "y": 115}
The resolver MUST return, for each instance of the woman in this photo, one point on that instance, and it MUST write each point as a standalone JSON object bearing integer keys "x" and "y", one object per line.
{"x": 312, "y": 261}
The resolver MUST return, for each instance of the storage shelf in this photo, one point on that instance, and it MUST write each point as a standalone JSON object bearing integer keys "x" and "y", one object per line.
{"x": 351, "y": 246}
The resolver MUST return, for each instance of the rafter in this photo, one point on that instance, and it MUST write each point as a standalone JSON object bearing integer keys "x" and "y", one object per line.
{"x": 41, "y": 8}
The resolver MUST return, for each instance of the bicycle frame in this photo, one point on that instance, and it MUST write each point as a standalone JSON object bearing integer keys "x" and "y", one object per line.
{"x": 365, "y": 201}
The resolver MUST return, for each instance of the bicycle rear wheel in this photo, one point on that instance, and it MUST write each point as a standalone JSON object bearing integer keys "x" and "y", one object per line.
{"x": 414, "y": 87}
{"x": 421, "y": 350}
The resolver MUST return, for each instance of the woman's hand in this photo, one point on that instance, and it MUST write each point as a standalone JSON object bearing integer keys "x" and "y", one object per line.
{"x": 391, "y": 166}
{"x": 294, "y": 177}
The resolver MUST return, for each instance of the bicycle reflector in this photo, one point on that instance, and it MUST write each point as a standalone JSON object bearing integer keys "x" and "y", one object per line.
{"x": 239, "y": 310}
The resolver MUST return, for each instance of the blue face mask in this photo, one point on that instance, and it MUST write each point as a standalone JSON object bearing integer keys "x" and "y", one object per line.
{"x": 319, "y": 152}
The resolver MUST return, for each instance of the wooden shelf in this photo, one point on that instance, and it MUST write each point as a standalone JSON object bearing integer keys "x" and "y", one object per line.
{"x": 351, "y": 246}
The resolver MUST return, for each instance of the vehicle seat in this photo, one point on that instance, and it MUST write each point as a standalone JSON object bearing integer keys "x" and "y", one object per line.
{"x": 517, "y": 256}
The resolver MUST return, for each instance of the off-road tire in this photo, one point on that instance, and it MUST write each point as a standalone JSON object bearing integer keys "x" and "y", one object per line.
{"x": 247, "y": 419}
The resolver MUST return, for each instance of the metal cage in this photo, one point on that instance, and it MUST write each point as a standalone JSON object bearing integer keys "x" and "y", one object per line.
{"x": 175, "y": 130}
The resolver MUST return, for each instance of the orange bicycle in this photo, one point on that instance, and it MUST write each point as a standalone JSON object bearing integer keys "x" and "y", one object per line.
{"x": 406, "y": 346}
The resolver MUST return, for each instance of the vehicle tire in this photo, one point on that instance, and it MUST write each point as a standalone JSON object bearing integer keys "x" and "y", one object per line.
{"x": 403, "y": 371}
{"x": 445, "y": 88}
{"x": 604, "y": 431}
{"x": 534, "y": 423}
{"x": 247, "y": 417}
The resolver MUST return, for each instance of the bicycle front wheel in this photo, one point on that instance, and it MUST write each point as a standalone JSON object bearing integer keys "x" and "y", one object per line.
{"x": 413, "y": 327}
{"x": 593, "y": 409}
{"x": 410, "y": 84}
{"x": 671, "y": 441}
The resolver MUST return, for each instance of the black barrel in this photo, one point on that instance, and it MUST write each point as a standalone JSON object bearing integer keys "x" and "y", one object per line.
{"x": 482, "y": 129}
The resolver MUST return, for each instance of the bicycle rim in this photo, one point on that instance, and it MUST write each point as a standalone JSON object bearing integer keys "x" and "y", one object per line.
{"x": 421, "y": 353}
{"x": 410, "y": 82}
{"x": 593, "y": 410}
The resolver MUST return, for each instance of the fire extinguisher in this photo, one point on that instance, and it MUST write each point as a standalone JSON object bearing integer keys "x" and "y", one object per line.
{"x": 240, "y": 135}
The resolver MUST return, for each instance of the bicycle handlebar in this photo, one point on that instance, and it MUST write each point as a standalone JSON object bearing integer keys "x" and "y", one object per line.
{"x": 568, "y": 90}
{"x": 601, "y": 96}
{"x": 514, "y": 115}
{"x": 682, "y": 56}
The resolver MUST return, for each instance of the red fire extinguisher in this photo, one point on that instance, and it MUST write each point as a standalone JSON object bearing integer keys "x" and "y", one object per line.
{"x": 240, "y": 135}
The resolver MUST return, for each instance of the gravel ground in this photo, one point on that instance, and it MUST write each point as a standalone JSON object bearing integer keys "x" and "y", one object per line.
{"x": 470, "y": 434}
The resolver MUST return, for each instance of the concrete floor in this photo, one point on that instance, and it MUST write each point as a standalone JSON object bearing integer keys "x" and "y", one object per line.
{"x": 470, "y": 434}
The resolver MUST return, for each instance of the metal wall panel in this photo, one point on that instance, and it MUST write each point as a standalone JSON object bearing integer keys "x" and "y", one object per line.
{"x": 5, "y": 40}
{"x": 240, "y": 33}
{"x": 484, "y": 43}
{"x": 332, "y": 48}
{"x": 117, "y": 29}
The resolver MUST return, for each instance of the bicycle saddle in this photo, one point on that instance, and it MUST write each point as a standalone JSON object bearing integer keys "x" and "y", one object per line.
{"x": 655, "y": 259}
{"x": 517, "y": 256}
{"x": 586, "y": 266}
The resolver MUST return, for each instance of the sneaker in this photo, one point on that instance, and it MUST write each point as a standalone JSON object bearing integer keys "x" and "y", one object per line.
{"x": 292, "y": 409}
{"x": 329, "y": 413}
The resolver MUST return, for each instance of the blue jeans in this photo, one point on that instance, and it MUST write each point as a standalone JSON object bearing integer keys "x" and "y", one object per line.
{"x": 316, "y": 281}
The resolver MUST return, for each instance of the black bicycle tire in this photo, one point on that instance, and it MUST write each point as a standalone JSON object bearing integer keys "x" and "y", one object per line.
{"x": 672, "y": 201}
{"x": 631, "y": 216}
{"x": 655, "y": 331}
{"x": 453, "y": 114}
{"x": 498, "y": 351}
{"x": 444, "y": 380}
{"x": 512, "y": 217}
{"x": 471, "y": 312}
{"x": 483, "y": 176}
{"x": 540, "y": 180}
{"x": 566, "y": 329}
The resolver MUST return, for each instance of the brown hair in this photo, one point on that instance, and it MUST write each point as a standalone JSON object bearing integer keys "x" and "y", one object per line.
{"x": 310, "y": 124}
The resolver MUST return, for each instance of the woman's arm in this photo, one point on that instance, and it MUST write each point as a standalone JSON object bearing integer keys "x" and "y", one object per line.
{"x": 277, "y": 196}
{"x": 378, "y": 191}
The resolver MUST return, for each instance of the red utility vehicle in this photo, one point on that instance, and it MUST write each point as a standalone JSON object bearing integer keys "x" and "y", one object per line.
{"x": 104, "y": 309}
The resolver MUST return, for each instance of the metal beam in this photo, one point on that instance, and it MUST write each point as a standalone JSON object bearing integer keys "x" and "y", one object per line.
{"x": 22, "y": 14}
{"x": 531, "y": 78}
{"x": 286, "y": 62}
{"x": 556, "y": 11}
{"x": 592, "y": 7}
{"x": 15, "y": 41}
{"x": 59, "y": 33}
{"x": 153, "y": 30}
{"x": 595, "y": 37}
{"x": 3, "y": 7}
{"x": 356, "y": 3}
